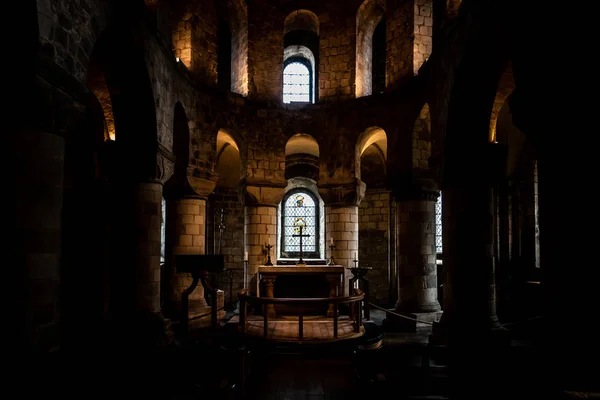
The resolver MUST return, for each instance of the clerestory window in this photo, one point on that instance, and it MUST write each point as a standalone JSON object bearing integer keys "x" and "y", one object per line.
{"x": 297, "y": 81}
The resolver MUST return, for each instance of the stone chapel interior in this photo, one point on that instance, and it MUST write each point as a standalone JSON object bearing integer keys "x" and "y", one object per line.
{"x": 400, "y": 134}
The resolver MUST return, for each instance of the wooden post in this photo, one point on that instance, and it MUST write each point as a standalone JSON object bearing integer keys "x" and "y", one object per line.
{"x": 300, "y": 326}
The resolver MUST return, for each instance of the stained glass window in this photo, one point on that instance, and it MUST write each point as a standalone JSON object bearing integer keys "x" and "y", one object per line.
{"x": 300, "y": 214}
{"x": 296, "y": 82}
{"x": 438, "y": 225}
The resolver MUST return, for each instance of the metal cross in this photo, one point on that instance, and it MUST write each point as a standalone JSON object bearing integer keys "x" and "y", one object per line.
{"x": 300, "y": 235}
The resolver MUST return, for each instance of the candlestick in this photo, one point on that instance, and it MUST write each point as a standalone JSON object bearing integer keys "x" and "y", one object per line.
{"x": 331, "y": 247}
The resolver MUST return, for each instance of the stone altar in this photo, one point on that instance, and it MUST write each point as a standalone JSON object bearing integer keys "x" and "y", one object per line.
{"x": 268, "y": 274}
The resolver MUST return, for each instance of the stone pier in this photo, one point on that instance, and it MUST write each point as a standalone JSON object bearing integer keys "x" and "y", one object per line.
{"x": 417, "y": 271}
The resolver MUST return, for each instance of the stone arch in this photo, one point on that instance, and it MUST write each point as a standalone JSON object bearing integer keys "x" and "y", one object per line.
{"x": 452, "y": 7}
{"x": 505, "y": 88}
{"x": 119, "y": 76}
{"x": 369, "y": 15}
{"x": 301, "y": 44}
{"x": 228, "y": 161}
{"x": 373, "y": 136}
{"x": 371, "y": 148}
{"x": 421, "y": 139}
{"x": 304, "y": 20}
{"x": 302, "y": 157}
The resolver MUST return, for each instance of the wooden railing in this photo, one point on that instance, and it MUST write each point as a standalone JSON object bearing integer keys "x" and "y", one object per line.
{"x": 355, "y": 303}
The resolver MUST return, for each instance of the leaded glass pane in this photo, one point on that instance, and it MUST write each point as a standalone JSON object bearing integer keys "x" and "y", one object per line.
{"x": 438, "y": 225}
{"x": 296, "y": 83}
{"x": 300, "y": 210}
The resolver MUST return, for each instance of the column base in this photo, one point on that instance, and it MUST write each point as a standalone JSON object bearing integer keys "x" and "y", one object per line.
{"x": 423, "y": 321}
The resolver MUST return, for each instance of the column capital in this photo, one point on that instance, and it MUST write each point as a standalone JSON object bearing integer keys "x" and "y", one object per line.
{"x": 251, "y": 195}
{"x": 342, "y": 194}
{"x": 194, "y": 183}
{"x": 423, "y": 189}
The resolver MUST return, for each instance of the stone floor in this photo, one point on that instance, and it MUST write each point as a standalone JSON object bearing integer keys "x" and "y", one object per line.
{"x": 327, "y": 373}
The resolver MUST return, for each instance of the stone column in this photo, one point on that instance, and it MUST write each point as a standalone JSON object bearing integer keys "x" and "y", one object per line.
{"x": 134, "y": 271}
{"x": 186, "y": 222}
{"x": 147, "y": 257}
{"x": 417, "y": 270}
{"x": 341, "y": 222}
{"x": 260, "y": 227}
{"x": 468, "y": 248}
{"x": 186, "y": 234}
{"x": 34, "y": 244}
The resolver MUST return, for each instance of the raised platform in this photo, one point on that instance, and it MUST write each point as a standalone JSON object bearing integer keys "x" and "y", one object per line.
{"x": 316, "y": 330}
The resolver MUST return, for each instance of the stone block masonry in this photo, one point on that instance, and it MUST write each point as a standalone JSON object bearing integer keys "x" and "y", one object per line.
{"x": 260, "y": 228}
{"x": 147, "y": 283}
{"x": 423, "y": 25}
{"x": 186, "y": 235}
{"x": 342, "y": 226}
{"x": 374, "y": 223}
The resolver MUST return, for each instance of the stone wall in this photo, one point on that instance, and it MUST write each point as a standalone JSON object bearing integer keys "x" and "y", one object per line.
{"x": 195, "y": 40}
{"x": 399, "y": 51}
{"x": 232, "y": 243}
{"x": 373, "y": 239}
{"x": 68, "y": 32}
{"x": 421, "y": 141}
{"x": 338, "y": 44}
{"x": 423, "y": 28}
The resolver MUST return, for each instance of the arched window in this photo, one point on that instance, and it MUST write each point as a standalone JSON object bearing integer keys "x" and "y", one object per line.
{"x": 297, "y": 81}
{"x": 438, "y": 225}
{"x": 300, "y": 208}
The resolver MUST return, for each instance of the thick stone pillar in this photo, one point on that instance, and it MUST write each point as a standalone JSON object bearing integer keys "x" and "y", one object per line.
{"x": 341, "y": 221}
{"x": 417, "y": 270}
{"x": 35, "y": 242}
{"x": 468, "y": 248}
{"x": 186, "y": 222}
{"x": 134, "y": 267}
{"x": 260, "y": 228}
{"x": 186, "y": 198}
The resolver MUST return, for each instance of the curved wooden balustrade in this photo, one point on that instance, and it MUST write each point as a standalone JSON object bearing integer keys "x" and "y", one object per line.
{"x": 354, "y": 301}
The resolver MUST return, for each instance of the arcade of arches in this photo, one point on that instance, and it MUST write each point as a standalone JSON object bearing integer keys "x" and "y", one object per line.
{"x": 137, "y": 125}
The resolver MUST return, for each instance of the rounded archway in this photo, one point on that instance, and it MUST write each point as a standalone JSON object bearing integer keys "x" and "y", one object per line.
{"x": 370, "y": 14}
{"x": 301, "y": 57}
{"x": 371, "y": 149}
{"x": 302, "y": 157}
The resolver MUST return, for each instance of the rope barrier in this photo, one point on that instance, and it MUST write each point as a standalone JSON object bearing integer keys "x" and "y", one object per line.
{"x": 431, "y": 323}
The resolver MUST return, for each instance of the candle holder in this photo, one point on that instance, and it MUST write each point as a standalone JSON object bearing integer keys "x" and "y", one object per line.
{"x": 269, "y": 247}
{"x": 245, "y": 274}
{"x": 331, "y": 247}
